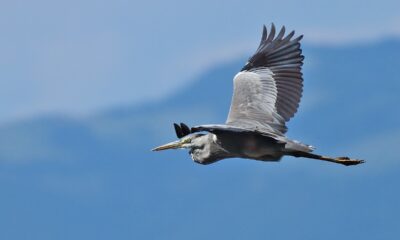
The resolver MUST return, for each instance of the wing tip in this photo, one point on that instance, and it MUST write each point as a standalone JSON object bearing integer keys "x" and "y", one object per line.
{"x": 281, "y": 31}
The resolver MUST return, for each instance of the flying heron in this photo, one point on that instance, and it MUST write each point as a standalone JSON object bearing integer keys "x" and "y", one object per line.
{"x": 266, "y": 95}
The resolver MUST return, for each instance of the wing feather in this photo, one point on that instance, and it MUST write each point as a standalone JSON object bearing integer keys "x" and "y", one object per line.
{"x": 269, "y": 87}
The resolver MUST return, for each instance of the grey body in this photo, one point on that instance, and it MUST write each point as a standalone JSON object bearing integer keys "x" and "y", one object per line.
{"x": 266, "y": 94}
{"x": 210, "y": 147}
{"x": 230, "y": 145}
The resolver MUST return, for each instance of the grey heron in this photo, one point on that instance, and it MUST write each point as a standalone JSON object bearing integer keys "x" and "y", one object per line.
{"x": 266, "y": 95}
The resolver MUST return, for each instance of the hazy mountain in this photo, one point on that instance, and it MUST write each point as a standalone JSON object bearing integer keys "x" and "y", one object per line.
{"x": 95, "y": 178}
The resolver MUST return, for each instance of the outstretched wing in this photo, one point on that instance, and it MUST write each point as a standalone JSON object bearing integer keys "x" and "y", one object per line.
{"x": 268, "y": 89}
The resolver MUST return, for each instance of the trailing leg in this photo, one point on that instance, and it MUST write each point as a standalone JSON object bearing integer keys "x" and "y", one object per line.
{"x": 341, "y": 160}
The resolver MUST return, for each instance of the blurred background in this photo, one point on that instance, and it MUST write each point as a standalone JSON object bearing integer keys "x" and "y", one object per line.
{"x": 87, "y": 88}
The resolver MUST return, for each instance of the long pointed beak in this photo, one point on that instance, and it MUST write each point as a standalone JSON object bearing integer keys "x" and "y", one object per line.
{"x": 171, "y": 145}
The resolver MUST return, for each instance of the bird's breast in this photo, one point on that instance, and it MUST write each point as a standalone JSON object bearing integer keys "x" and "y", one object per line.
{"x": 252, "y": 146}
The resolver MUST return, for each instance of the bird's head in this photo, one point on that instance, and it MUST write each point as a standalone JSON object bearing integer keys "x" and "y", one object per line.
{"x": 200, "y": 147}
{"x": 190, "y": 141}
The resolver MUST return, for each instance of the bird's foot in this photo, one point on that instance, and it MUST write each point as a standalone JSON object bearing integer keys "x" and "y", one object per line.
{"x": 347, "y": 161}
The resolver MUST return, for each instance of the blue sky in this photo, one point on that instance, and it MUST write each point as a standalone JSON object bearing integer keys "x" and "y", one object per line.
{"x": 78, "y": 57}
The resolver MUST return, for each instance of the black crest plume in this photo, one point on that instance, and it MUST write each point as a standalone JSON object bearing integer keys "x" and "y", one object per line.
{"x": 181, "y": 130}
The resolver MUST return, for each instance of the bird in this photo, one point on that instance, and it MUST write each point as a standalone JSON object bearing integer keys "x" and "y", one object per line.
{"x": 266, "y": 95}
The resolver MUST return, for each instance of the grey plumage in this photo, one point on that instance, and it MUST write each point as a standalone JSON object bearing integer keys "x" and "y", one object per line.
{"x": 266, "y": 94}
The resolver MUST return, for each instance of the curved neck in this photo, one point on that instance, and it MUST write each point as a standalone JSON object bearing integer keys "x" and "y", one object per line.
{"x": 208, "y": 150}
